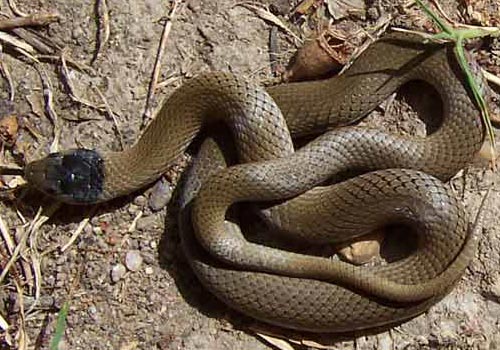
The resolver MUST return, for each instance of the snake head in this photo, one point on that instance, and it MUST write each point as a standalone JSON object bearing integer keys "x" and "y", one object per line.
{"x": 75, "y": 176}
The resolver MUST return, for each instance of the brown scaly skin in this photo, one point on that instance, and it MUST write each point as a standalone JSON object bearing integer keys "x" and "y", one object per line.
{"x": 294, "y": 290}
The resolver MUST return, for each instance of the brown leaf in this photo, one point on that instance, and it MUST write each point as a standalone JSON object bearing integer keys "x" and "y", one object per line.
{"x": 320, "y": 57}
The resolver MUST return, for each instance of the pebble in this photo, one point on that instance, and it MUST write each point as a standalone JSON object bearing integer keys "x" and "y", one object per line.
{"x": 92, "y": 310}
{"x": 140, "y": 201}
{"x": 160, "y": 195}
{"x": 133, "y": 260}
{"x": 117, "y": 272}
{"x": 149, "y": 270}
{"x": 146, "y": 223}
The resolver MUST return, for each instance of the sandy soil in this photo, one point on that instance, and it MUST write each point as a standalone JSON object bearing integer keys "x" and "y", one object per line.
{"x": 161, "y": 305}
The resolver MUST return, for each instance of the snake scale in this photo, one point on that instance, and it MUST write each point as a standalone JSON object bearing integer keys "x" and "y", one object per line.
{"x": 400, "y": 184}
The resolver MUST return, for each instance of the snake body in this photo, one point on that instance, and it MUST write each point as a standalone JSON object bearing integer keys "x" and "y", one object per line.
{"x": 286, "y": 288}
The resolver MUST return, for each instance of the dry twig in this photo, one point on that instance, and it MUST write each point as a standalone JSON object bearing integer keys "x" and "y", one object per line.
{"x": 159, "y": 55}
{"x": 71, "y": 89}
{"x": 49, "y": 106}
{"x": 6, "y": 236}
{"x": 40, "y": 44}
{"x": 266, "y": 15}
{"x": 6, "y": 74}
{"x": 133, "y": 225}
{"x": 17, "y": 43}
{"x": 82, "y": 67}
{"x": 78, "y": 230}
{"x": 37, "y": 19}
{"x": 104, "y": 28}
{"x": 112, "y": 115}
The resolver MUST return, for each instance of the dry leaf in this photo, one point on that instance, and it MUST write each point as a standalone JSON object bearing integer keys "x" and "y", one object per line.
{"x": 320, "y": 57}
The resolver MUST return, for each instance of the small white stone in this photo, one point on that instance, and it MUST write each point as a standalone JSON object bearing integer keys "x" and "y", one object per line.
{"x": 133, "y": 260}
{"x": 148, "y": 270}
{"x": 117, "y": 272}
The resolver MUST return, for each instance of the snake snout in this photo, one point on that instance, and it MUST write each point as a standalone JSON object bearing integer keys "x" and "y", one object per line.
{"x": 75, "y": 176}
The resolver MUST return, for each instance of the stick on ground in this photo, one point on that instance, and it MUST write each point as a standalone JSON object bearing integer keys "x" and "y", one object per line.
{"x": 159, "y": 55}
{"x": 37, "y": 19}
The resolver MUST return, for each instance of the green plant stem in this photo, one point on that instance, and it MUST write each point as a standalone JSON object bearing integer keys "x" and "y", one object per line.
{"x": 458, "y": 36}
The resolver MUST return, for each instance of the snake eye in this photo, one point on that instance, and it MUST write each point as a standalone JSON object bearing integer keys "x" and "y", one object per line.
{"x": 75, "y": 176}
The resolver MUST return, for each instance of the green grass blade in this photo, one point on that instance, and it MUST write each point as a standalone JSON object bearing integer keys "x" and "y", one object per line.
{"x": 458, "y": 36}
{"x": 60, "y": 326}
{"x": 478, "y": 96}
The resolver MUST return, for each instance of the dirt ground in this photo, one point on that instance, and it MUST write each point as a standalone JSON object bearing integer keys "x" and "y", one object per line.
{"x": 124, "y": 278}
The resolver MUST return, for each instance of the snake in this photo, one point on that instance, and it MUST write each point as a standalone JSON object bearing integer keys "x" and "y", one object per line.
{"x": 292, "y": 189}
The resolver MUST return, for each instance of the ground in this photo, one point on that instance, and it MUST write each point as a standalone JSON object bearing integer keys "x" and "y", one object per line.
{"x": 156, "y": 302}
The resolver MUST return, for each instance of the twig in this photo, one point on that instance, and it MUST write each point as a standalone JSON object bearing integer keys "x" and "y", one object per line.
{"x": 159, "y": 55}
{"x": 442, "y": 13}
{"x": 4, "y": 325}
{"x": 37, "y": 19}
{"x": 6, "y": 236}
{"x": 78, "y": 230}
{"x": 33, "y": 228}
{"x": 273, "y": 51}
{"x": 276, "y": 342}
{"x": 266, "y": 15}
{"x": 167, "y": 82}
{"x": 480, "y": 215}
{"x": 75, "y": 234}
{"x": 71, "y": 89}
{"x": 112, "y": 115}
{"x": 104, "y": 29}
{"x": 14, "y": 255}
{"x": 82, "y": 67}
{"x": 49, "y": 107}
{"x": 133, "y": 225}
{"x": 6, "y": 74}
{"x": 492, "y": 78}
{"x": 36, "y": 41}
{"x": 41, "y": 43}
{"x": 37, "y": 271}
{"x": 13, "y": 41}
{"x": 22, "y": 338}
